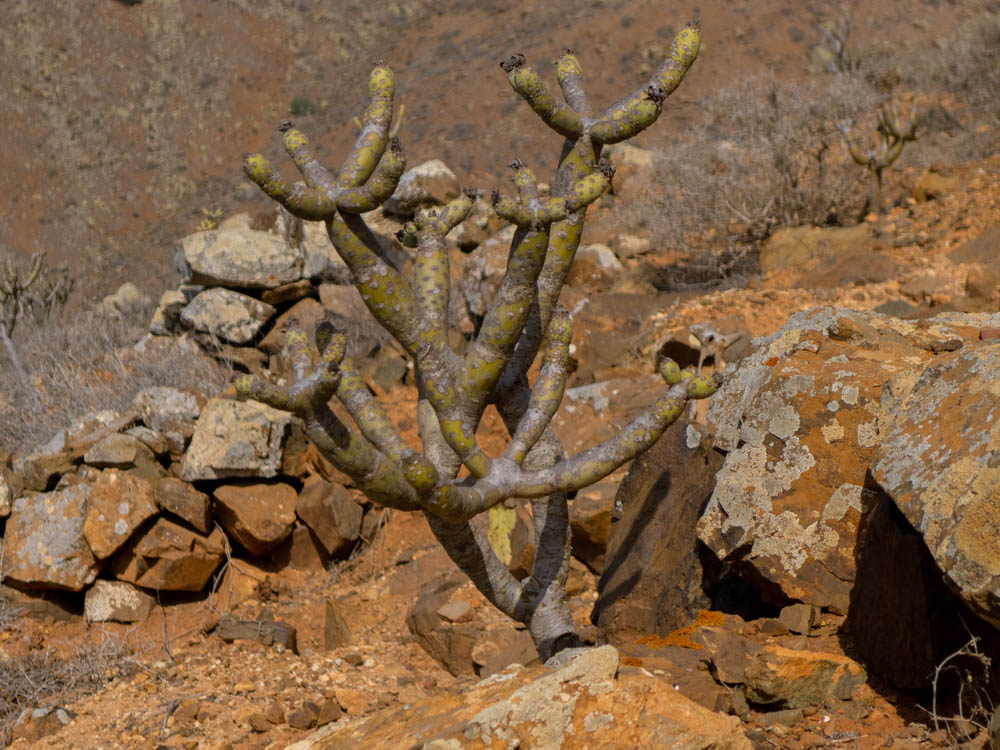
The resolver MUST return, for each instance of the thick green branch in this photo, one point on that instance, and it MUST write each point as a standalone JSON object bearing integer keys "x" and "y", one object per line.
{"x": 641, "y": 108}
{"x": 570, "y": 75}
{"x": 315, "y": 174}
{"x": 526, "y": 82}
{"x": 374, "y": 136}
{"x": 299, "y": 200}
{"x": 379, "y": 186}
{"x": 547, "y": 393}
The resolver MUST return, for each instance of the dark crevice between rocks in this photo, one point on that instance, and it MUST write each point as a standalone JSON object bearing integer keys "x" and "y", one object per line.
{"x": 904, "y": 621}
{"x": 733, "y": 588}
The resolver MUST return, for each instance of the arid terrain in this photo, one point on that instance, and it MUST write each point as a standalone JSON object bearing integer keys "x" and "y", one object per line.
{"x": 124, "y": 130}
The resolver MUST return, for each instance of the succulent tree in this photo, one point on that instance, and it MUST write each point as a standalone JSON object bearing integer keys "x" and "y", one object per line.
{"x": 522, "y": 321}
{"x": 895, "y": 130}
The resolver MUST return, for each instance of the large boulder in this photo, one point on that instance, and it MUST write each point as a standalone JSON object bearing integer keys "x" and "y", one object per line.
{"x": 236, "y": 439}
{"x": 227, "y": 315}
{"x": 238, "y": 258}
{"x": 801, "y": 418}
{"x": 170, "y": 557}
{"x": 940, "y": 462}
{"x": 44, "y": 543}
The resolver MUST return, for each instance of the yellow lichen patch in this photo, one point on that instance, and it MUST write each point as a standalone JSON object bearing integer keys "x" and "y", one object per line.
{"x": 978, "y": 533}
{"x": 502, "y": 520}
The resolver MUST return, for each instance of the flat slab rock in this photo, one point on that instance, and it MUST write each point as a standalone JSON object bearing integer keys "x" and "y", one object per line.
{"x": 575, "y": 701}
{"x": 940, "y": 463}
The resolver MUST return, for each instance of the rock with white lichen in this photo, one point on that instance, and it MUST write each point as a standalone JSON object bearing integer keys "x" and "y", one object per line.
{"x": 802, "y": 419}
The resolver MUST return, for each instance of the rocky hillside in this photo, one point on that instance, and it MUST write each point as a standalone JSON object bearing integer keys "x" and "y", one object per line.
{"x": 806, "y": 559}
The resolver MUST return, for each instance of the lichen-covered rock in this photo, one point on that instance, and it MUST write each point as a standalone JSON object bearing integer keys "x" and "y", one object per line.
{"x": 940, "y": 463}
{"x": 119, "y": 503}
{"x": 236, "y": 439}
{"x": 229, "y": 315}
{"x": 427, "y": 184}
{"x": 257, "y": 515}
{"x": 116, "y": 601}
{"x": 118, "y": 451}
{"x": 170, "y": 557}
{"x": 801, "y": 418}
{"x": 168, "y": 410}
{"x": 44, "y": 545}
{"x": 238, "y": 258}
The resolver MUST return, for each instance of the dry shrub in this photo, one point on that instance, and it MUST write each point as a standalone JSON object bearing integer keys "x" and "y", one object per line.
{"x": 44, "y": 678}
{"x": 85, "y": 363}
{"x": 766, "y": 153}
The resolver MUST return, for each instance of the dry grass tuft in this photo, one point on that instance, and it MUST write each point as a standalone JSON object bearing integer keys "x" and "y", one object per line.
{"x": 88, "y": 362}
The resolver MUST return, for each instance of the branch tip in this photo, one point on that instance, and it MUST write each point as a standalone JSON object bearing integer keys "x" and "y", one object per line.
{"x": 513, "y": 62}
{"x": 655, "y": 94}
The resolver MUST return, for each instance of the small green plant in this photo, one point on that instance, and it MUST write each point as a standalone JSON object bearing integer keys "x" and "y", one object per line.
{"x": 302, "y": 106}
